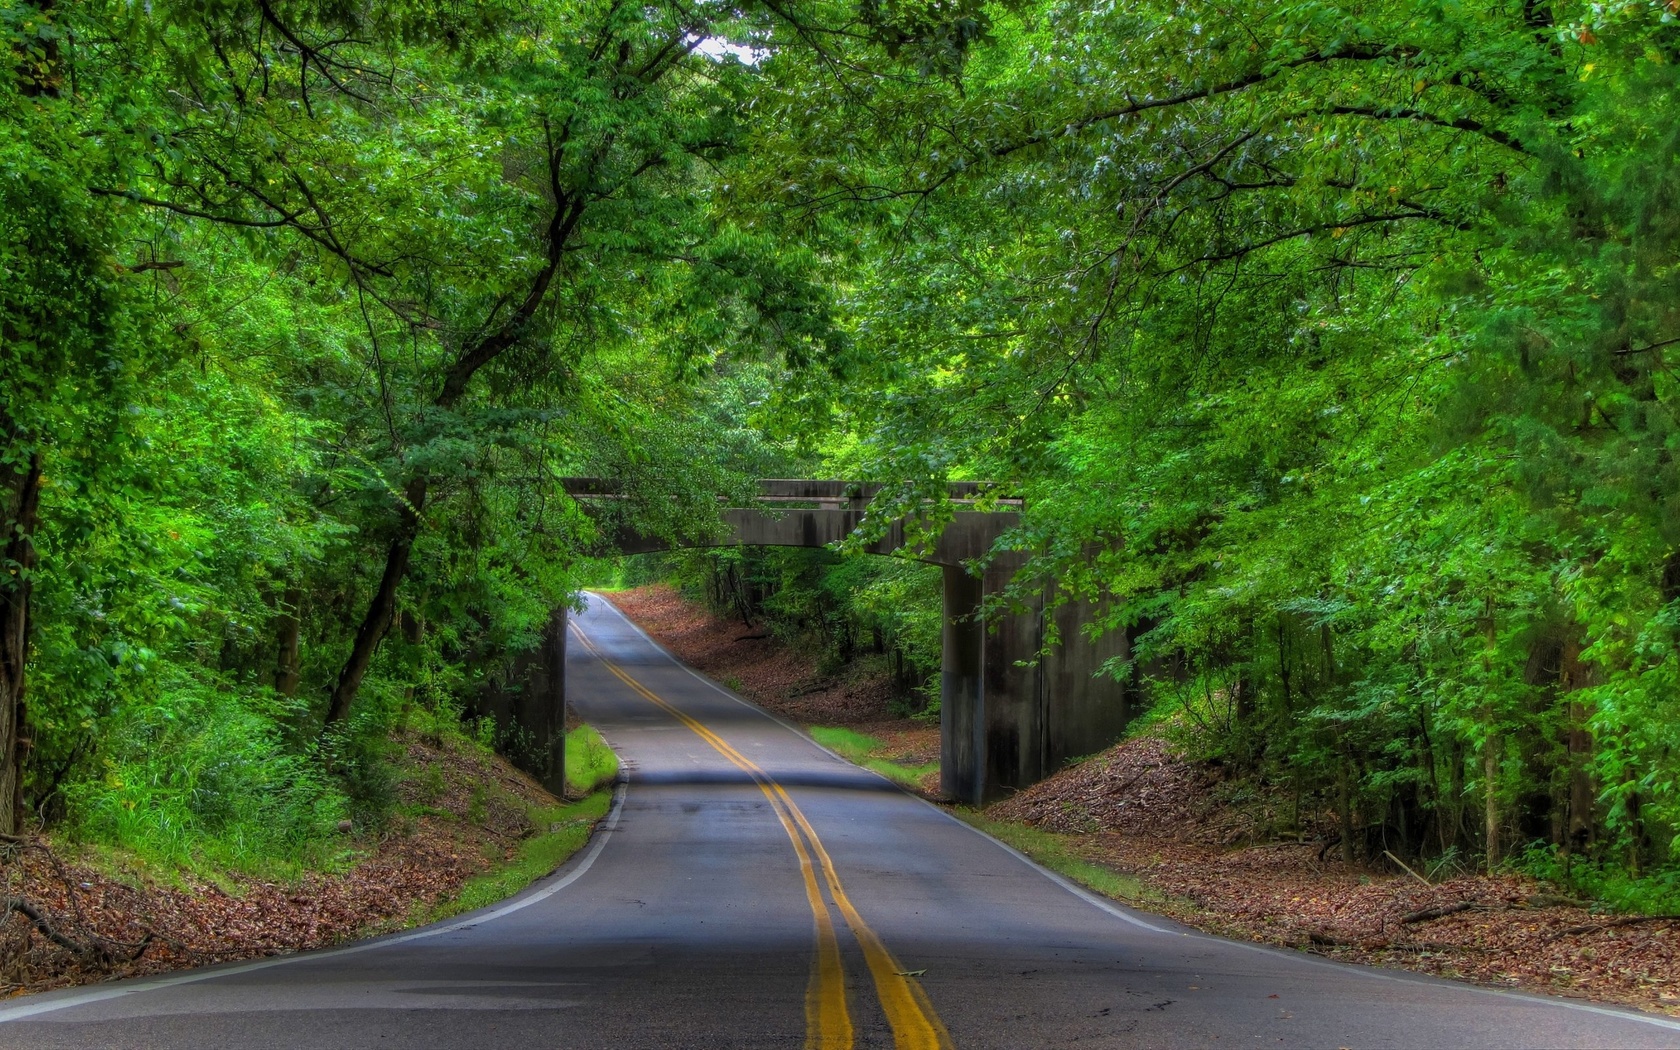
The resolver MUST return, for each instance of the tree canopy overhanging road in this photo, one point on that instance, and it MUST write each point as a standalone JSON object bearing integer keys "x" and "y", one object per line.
{"x": 752, "y": 890}
{"x": 1324, "y": 352}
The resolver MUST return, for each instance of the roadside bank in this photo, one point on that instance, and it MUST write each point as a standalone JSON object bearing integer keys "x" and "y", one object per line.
{"x": 465, "y": 829}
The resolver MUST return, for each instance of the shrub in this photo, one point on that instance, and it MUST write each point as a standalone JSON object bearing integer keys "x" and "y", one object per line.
{"x": 201, "y": 776}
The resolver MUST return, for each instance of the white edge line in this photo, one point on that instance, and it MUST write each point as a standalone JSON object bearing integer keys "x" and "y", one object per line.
{"x": 1114, "y": 910}
{"x": 608, "y": 826}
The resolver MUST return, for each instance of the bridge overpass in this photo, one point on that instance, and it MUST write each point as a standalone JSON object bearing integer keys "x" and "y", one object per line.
{"x": 1007, "y": 718}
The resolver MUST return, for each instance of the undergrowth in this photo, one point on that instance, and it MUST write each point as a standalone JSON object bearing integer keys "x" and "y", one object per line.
{"x": 205, "y": 781}
{"x": 1610, "y": 885}
{"x": 590, "y": 763}
{"x": 202, "y": 780}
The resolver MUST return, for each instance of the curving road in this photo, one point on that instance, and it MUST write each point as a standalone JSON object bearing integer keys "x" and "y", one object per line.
{"x": 752, "y": 890}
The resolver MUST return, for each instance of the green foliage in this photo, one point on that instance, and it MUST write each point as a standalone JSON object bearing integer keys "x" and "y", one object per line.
{"x": 1606, "y": 881}
{"x": 267, "y": 323}
{"x": 202, "y": 780}
{"x": 1331, "y": 347}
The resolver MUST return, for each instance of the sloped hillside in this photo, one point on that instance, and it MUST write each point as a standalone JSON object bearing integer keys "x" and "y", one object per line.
{"x": 1191, "y": 839}
{"x": 76, "y": 915}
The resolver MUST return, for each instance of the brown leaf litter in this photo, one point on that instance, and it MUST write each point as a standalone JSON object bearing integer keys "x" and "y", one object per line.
{"x": 1139, "y": 809}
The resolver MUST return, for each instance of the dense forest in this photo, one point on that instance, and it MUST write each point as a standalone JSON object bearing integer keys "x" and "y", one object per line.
{"x": 1327, "y": 343}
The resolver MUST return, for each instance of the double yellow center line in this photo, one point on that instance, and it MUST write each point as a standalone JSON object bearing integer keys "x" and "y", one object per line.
{"x": 828, "y": 1022}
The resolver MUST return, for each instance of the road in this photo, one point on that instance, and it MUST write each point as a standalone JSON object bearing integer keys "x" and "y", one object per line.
{"x": 749, "y": 889}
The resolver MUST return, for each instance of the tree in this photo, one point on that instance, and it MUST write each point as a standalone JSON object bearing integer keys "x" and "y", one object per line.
{"x": 562, "y": 146}
{"x": 1331, "y": 329}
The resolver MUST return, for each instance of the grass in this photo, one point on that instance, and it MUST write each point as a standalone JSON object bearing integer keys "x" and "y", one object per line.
{"x": 869, "y": 752}
{"x": 568, "y": 829}
{"x": 1052, "y": 851}
{"x": 590, "y": 763}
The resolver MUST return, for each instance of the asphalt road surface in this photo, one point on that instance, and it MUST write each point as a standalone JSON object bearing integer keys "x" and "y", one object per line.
{"x": 751, "y": 890}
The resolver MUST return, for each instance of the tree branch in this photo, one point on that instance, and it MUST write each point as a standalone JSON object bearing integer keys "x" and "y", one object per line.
{"x": 228, "y": 220}
{"x": 1422, "y": 117}
{"x": 1357, "y": 53}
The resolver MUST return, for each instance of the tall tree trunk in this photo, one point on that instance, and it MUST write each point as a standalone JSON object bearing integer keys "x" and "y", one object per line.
{"x": 1283, "y": 663}
{"x": 413, "y": 632}
{"x": 1456, "y": 760}
{"x": 381, "y": 608}
{"x": 1244, "y": 687}
{"x": 1490, "y": 798}
{"x": 38, "y": 74}
{"x": 563, "y": 220}
{"x": 1490, "y": 748}
{"x": 21, "y": 490}
{"x": 1577, "y": 675}
{"x": 1429, "y": 784}
{"x": 288, "y": 644}
{"x": 1344, "y": 807}
{"x": 1636, "y": 825}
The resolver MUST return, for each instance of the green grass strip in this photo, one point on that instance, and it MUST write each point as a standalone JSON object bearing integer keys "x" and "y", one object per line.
{"x": 568, "y": 828}
{"x": 866, "y": 750}
{"x": 590, "y": 763}
{"x": 1052, "y": 851}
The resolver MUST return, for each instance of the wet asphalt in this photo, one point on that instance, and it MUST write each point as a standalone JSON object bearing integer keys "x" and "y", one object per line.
{"x": 694, "y": 919}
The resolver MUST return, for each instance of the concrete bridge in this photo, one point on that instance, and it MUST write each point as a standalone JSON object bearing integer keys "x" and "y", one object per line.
{"x": 1007, "y": 718}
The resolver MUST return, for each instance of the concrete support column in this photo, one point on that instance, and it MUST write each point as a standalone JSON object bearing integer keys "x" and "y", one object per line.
{"x": 992, "y": 727}
{"x": 551, "y": 703}
{"x": 1012, "y": 694}
{"x": 1085, "y": 711}
{"x": 961, "y": 704}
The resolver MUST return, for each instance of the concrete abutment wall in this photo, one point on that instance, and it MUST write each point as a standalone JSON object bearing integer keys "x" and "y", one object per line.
{"x": 530, "y": 707}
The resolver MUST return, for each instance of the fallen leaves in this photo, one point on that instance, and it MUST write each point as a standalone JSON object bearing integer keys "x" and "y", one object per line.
{"x": 1138, "y": 809}
{"x": 1138, "y": 788}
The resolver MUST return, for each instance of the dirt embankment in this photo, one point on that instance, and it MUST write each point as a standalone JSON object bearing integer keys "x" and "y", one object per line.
{"x": 78, "y": 918}
{"x": 778, "y": 677}
{"x": 1139, "y": 809}
{"x": 1175, "y": 826}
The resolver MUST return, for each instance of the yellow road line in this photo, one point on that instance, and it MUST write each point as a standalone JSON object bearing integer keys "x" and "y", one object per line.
{"x": 828, "y": 1023}
{"x": 914, "y": 1023}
